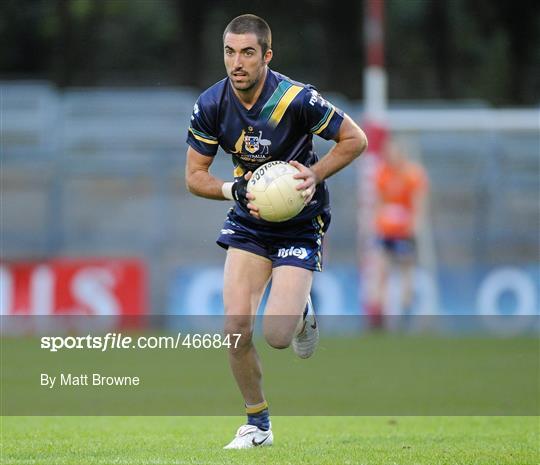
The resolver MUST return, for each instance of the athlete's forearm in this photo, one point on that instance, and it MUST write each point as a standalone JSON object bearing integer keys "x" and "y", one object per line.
{"x": 203, "y": 184}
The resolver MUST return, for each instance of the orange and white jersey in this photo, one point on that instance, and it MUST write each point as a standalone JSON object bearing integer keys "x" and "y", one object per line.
{"x": 397, "y": 187}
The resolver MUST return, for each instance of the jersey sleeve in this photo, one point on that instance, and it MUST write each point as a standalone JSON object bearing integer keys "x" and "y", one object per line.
{"x": 321, "y": 117}
{"x": 202, "y": 136}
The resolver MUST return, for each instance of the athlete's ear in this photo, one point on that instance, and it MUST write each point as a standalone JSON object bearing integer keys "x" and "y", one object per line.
{"x": 268, "y": 56}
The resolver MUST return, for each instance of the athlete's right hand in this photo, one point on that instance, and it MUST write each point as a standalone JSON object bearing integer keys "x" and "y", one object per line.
{"x": 242, "y": 196}
{"x": 239, "y": 191}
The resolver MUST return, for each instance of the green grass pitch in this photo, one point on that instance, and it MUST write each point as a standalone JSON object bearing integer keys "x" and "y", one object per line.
{"x": 374, "y": 375}
{"x": 298, "y": 440}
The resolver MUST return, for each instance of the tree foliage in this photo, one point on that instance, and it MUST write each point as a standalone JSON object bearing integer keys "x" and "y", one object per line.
{"x": 455, "y": 49}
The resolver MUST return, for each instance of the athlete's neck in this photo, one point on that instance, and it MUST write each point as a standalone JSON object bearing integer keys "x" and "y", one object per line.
{"x": 249, "y": 97}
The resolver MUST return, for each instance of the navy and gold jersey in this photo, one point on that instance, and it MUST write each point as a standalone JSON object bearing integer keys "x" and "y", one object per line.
{"x": 279, "y": 126}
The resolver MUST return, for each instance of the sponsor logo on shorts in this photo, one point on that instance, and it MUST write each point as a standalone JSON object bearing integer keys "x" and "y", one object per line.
{"x": 227, "y": 231}
{"x": 298, "y": 252}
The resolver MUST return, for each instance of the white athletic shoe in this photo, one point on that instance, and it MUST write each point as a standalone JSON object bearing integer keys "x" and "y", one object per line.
{"x": 249, "y": 436}
{"x": 306, "y": 339}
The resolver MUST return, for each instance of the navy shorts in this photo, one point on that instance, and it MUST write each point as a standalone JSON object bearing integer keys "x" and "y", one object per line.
{"x": 298, "y": 245}
{"x": 400, "y": 247}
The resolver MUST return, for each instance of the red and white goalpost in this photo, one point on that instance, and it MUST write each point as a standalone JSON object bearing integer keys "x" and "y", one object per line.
{"x": 375, "y": 126}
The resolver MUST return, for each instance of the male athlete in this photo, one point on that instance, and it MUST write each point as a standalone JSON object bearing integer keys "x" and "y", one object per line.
{"x": 401, "y": 187}
{"x": 257, "y": 115}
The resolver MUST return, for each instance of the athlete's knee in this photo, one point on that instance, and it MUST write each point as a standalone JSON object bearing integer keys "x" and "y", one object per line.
{"x": 278, "y": 339}
{"x": 239, "y": 332}
{"x": 279, "y": 330}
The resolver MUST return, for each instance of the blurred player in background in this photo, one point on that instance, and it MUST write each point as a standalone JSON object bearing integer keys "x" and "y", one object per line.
{"x": 257, "y": 115}
{"x": 401, "y": 186}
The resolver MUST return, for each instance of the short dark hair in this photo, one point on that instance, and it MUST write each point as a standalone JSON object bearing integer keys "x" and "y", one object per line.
{"x": 246, "y": 24}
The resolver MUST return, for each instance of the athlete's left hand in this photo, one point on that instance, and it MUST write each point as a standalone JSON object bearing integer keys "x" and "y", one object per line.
{"x": 310, "y": 181}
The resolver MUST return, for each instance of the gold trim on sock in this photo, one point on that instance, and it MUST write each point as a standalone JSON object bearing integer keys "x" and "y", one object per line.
{"x": 257, "y": 408}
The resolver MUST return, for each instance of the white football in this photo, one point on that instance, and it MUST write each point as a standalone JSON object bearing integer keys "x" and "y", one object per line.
{"x": 275, "y": 192}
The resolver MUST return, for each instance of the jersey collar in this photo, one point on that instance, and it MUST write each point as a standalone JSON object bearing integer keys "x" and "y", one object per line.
{"x": 263, "y": 97}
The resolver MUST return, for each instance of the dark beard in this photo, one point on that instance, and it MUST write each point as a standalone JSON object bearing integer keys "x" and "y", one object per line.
{"x": 251, "y": 85}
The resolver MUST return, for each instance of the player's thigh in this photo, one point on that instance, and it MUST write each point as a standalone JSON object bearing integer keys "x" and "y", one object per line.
{"x": 286, "y": 302}
{"x": 381, "y": 261}
{"x": 406, "y": 264}
{"x": 291, "y": 286}
{"x": 245, "y": 278}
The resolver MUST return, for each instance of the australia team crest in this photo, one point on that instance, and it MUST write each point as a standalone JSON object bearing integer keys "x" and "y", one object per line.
{"x": 251, "y": 143}
{"x": 252, "y": 147}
